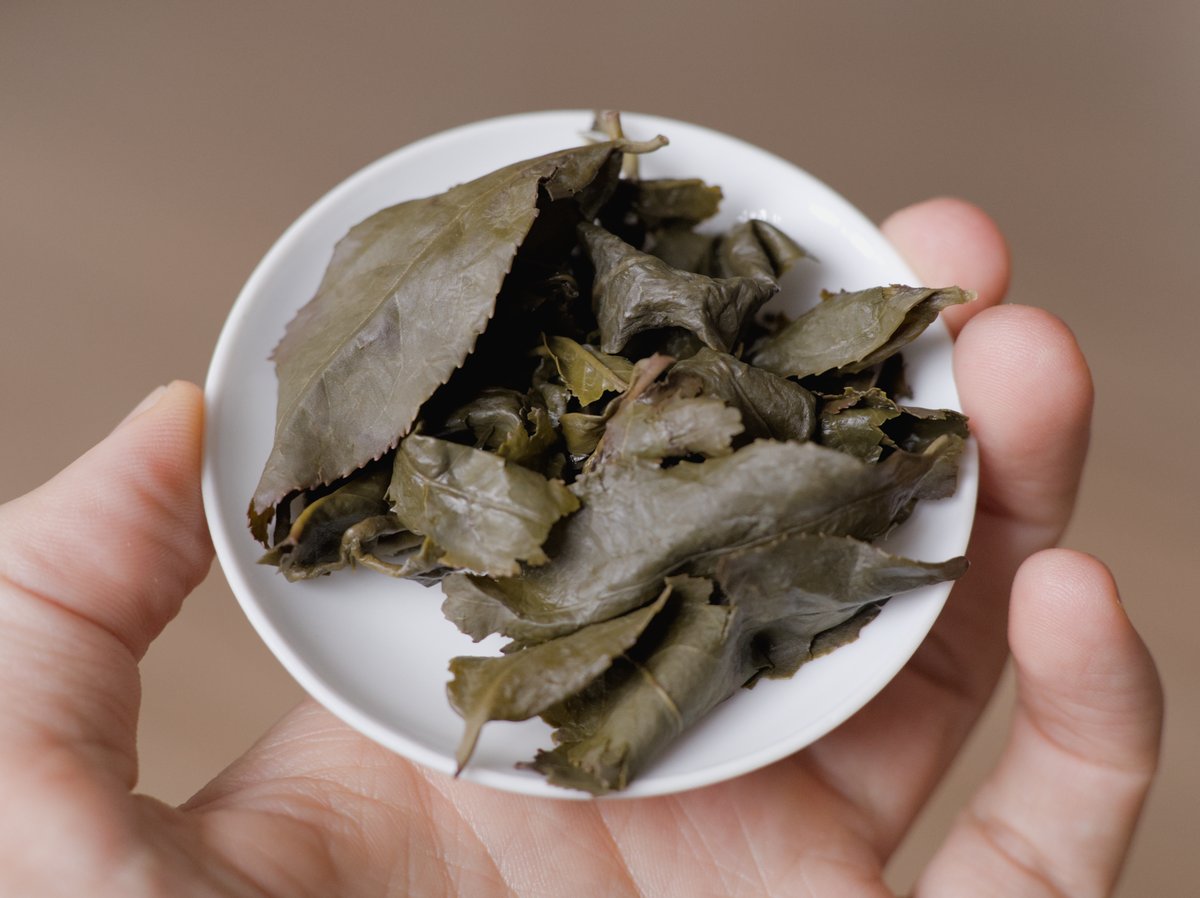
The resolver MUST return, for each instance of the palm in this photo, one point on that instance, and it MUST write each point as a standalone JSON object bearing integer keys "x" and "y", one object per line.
{"x": 316, "y": 809}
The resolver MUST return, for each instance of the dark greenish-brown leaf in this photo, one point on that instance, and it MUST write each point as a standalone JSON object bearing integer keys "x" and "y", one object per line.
{"x": 853, "y": 331}
{"x": 383, "y": 545}
{"x": 400, "y": 307}
{"x": 783, "y": 604}
{"x": 681, "y": 669}
{"x": 681, "y": 247}
{"x": 793, "y": 590}
{"x": 484, "y": 513}
{"x": 313, "y": 545}
{"x": 684, "y": 201}
{"x": 771, "y": 407}
{"x": 523, "y": 684}
{"x": 636, "y": 292}
{"x": 638, "y": 524}
{"x": 756, "y": 249}
{"x": 867, "y": 423}
{"x": 844, "y": 633}
{"x": 582, "y": 432}
{"x": 586, "y": 371}
{"x": 917, "y": 428}
{"x": 668, "y": 425}
{"x": 546, "y": 389}
{"x": 508, "y": 423}
{"x": 854, "y": 423}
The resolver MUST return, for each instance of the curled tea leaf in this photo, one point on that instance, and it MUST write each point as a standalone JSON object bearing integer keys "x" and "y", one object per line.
{"x": 636, "y": 292}
{"x": 523, "y": 684}
{"x": 485, "y": 514}
{"x": 771, "y": 407}
{"x": 587, "y": 372}
{"x": 793, "y": 590}
{"x": 313, "y": 545}
{"x": 853, "y": 331}
{"x": 609, "y": 733}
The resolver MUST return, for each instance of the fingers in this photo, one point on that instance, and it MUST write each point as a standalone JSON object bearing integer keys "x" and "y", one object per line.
{"x": 1057, "y": 815}
{"x": 1027, "y": 390}
{"x": 1052, "y": 401}
{"x": 951, "y": 242}
{"x": 96, "y": 562}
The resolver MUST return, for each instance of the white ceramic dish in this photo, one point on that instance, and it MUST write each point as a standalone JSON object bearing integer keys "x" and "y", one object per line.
{"x": 375, "y": 650}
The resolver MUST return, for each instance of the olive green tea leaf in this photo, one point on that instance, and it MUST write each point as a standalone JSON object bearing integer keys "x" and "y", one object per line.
{"x": 608, "y": 734}
{"x": 669, "y": 425}
{"x": 917, "y": 428}
{"x": 854, "y": 423}
{"x": 405, "y": 297}
{"x": 485, "y": 513}
{"x": 853, "y": 331}
{"x": 523, "y": 684}
{"x": 799, "y": 587}
{"x": 380, "y": 545}
{"x": 681, "y": 247}
{"x": 635, "y": 292}
{"x": 782, "y": 604}
{"x": 675, "y": 201}
{"x": 586, "y": 371}
{"x": 511, "y": 424}
{"x": 756, "y": 249}
{"x": 771, "y": 407}
{"x": 638, "y": 524}
{"x": 582, "y": 432}
{"x": 313, "y": 545}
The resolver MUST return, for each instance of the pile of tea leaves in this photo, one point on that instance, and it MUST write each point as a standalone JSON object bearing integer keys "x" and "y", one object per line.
{"x": 550, "y": 392}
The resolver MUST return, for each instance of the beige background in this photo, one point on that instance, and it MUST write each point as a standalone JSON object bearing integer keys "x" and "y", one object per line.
{"x": 150, "y": 152}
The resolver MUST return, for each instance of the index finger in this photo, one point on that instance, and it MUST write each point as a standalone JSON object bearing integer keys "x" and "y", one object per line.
{"x": 952, "y": 242}
{"x": 1027, "y": 390}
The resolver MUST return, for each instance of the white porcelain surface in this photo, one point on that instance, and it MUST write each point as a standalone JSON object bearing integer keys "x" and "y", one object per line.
{"x": 375, "y": 650}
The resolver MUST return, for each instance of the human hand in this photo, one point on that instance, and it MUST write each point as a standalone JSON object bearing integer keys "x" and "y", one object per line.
{"x": 96, "y": 562}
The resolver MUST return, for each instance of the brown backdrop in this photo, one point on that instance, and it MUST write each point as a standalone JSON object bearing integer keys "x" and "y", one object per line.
{"x": 150, "y": 152}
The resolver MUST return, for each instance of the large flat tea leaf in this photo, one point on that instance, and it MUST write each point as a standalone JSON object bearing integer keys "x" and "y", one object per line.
{"x": 638, "y": 524}
{"x": 853, "y": 331}
{"x": 401, "y": 304}
{"x": 486, "y": 514}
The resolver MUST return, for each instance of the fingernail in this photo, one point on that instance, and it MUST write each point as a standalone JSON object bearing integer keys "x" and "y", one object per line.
{"x": 145, "y": 405}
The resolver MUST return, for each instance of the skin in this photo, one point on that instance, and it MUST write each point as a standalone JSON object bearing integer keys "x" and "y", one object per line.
{"x": 314, "y": 809}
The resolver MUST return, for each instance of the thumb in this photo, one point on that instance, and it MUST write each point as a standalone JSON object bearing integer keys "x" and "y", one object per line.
{"x": 1058, "y": 813}
{"x": 95, "y": 563}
